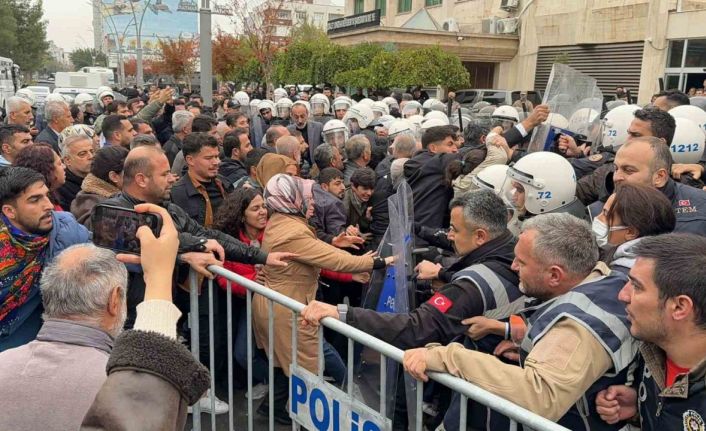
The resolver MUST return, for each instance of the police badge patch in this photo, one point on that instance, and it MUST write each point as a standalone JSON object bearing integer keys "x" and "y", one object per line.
{"x": 596, "y": 157}
{"x": 693, "y": 421}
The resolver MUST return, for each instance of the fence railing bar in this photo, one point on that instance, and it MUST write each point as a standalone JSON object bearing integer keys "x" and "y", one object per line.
{"x": 248, "y": 326}
{"x": 419, "y": 413}
{"x": 270, "y": 355}
{"x": 229, "y": 329}
{"x": 194, "y": 326}
{"x": 212, "y": 353}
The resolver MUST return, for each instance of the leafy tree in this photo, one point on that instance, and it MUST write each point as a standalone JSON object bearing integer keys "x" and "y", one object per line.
{"x": 430, "y": 67}
{"x": 8, "y": 29}
{"x": 30, "y": 52}
{"x": 178, "y": 58}
{"x": 229, "y": 56}
{"x": 85, "y": 57}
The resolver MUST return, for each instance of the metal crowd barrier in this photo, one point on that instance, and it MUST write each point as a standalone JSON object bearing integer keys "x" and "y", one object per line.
{"x": 466, "y": 389}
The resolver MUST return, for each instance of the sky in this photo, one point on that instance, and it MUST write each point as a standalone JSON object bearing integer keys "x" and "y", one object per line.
{"x": 70, "y": 23}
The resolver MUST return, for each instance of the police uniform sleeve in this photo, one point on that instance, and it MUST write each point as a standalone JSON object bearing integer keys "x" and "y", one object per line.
{"x": 557, "y": 372}
{"x": 436, "y": 321}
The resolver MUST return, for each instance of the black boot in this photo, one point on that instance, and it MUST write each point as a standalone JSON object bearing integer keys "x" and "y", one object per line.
{"x": 280, "y": 388}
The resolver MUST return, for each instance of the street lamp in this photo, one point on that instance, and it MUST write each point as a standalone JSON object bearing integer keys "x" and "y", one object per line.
{"x": 138, "y": 29}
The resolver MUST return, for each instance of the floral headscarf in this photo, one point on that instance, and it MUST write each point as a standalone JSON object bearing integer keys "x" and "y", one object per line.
{"x": 289, "y": 195}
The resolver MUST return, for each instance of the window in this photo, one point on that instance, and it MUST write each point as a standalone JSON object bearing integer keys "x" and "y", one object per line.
{"x": 382, "y": 5}
{"x": 432, "y": 2}
{"x": 301, "y": 15}
{"x": 358, "y": 7}
{"x": 284, "y": 14}
{"x": 333, "y": 16}
{"x": 695, "y": 53}
{"x": 676, "y": 49}
{"x": 404, "y": 6}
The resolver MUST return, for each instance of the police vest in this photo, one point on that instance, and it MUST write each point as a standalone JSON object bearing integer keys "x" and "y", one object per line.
{"x": 500, "y": 297}
{"x": 595, "y": 306}
{"x": 689, "y": 206}
{"x": 683, "y": 409}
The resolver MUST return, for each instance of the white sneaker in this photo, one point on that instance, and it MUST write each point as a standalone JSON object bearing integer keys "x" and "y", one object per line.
{"x": 259, "y": 391}
{"x": 205, "y": 404}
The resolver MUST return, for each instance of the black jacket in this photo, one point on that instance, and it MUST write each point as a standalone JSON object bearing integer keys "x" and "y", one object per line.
{"x": 172, "y": 148}
{"x": 185, "y": 195}
{"x": 67, "y": 192}
{"x": 425, "y": 173}
{"x": 50, "y": 137}
{"x": 428, "y": 324}
{"x": 232, "y": 170}
{"x": 378, "y": 201}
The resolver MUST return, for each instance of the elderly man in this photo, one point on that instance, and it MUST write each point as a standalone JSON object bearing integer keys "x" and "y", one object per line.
{"x": 310, "y": 130}
{"x": 181, "y": 124}
{"x": 358, "y": 154}
{"x": 576, "y": 342}
{"x": 289, "y": 146}
{"x": 58, "y": 116}
{"x": 19, "y": 111}
{"x": 83, "y": 293}
{"x": 77, "y": 154}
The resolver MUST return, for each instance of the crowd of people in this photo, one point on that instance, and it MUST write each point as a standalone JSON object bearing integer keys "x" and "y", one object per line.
{"x": 568, "y": 281}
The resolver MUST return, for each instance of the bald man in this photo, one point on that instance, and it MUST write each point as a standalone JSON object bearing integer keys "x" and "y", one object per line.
{"x": 289, "y": 146}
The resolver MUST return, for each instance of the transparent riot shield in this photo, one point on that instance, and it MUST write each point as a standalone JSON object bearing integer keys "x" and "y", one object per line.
{"x": 574, "y": 99}
{"x": 391, "y": 290}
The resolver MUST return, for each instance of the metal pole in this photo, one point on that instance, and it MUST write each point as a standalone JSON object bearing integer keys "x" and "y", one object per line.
{"x": 205, "y": 47}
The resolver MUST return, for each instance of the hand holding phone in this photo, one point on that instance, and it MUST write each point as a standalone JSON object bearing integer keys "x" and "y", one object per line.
{"x": 116, "y": 228}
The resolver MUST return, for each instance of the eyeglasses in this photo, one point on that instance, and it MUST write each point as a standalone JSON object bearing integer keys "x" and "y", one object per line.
{"x": 86, "y": 153}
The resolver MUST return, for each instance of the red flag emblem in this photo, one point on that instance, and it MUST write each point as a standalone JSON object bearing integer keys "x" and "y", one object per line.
{"x": 685, "y": 203}
{"x": 440, "y": 302}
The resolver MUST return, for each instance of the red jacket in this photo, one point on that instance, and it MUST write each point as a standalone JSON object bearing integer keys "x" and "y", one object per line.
{"x": 246, "y": 270}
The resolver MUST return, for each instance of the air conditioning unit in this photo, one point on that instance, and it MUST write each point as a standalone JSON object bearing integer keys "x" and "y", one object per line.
{"x": 509, "y": 5}
{"x": 489, "y": 25}
{"x": 450, "y": 25}
{"x": 506, "y": 26}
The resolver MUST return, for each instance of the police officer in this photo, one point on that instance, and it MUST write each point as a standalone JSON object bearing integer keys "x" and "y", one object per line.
{"x": 262, "y": 121}
{"x": 572, "y": 347}
{"x": 483, "y": 283}
{"x": 669, "y": 392}
{"x": 320, "y": 108}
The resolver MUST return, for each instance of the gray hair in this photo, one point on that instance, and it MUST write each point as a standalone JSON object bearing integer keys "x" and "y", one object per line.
{"x": 323, "y": 156}
{"x": 144, "y": 140}
{"x": 79, "y": 282}
{"x": 564, "y": 240}
{"x": 15, "y": 103}
{"x": 181, "y": 119}
{"x": 404, "y": 145}
{"x": 356, "y": 146}
{"x": 483, "y": 209}
{"x": 70, "y": 140}
{"x": 55, "y": 109}
{"x": 397, "y": 170}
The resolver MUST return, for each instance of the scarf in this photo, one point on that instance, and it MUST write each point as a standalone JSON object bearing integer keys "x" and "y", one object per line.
{"x": 22, "y": 257}
{"x": 289, "y": 195}
{"x": 271, "y": 165}
{"x": 76, "y": 333}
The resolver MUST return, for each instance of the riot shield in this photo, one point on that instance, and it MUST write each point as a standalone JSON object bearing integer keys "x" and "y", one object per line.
{"x": 573, "y": 97}
{"x": 391, "y": 290}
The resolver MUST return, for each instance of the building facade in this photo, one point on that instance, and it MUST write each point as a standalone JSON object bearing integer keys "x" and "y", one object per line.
{"x": 511, "y": 44}
{"x": 285, "y": 15}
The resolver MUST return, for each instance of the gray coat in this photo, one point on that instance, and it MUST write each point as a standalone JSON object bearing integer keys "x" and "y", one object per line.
{"x": 313, "y": 138}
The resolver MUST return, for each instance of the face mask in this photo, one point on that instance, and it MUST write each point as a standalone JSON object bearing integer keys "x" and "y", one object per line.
{"x": 601, "y": 231}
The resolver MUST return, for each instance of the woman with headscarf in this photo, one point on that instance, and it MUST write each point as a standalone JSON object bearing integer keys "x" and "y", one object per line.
{"x": 291, "y": 201}
{"x": 273, "y": 164}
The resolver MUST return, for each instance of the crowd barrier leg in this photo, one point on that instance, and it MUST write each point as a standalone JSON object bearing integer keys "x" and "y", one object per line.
{"x": 194, "y": 326}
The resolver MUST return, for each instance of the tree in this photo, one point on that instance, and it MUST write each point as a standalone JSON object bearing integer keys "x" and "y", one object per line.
{"x": 85, "y": 57}
{"x": 8, "y": 29}
{"x": 130, "y": 67}
{"x": 430, "y": 67}
{"x": 30, "y": 52}
{"x": 229, "y": 56}
{"x": 178, "y": 58}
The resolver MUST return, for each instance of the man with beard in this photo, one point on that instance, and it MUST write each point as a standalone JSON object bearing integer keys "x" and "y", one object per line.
{"x": 83, "y": 294}
{"x": 31, "y": 235}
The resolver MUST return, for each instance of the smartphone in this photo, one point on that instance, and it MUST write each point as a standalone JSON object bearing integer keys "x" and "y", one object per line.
{"x": 116, "y": 228}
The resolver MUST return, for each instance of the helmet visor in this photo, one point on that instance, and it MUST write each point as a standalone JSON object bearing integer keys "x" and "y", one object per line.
{"x": 318, "y": 108}
{"x": 283, "y": 111}
{"x": 337, "y": 137}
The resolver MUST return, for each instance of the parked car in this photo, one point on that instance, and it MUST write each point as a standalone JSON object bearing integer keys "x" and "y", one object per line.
{"x": 40, "y": 93}
{"x": 468, "y": 98}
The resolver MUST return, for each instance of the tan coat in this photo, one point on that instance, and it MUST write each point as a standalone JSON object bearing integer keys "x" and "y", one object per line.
{"x": 298, "y": 280}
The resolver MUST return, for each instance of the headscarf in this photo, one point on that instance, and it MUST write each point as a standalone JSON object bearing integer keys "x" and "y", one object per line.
{"x": 271, "y": 165}
{"x": 289, "y": 195}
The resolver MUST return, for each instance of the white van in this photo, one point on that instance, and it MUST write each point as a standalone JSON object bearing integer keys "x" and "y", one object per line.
{"x": 102, "y": 70}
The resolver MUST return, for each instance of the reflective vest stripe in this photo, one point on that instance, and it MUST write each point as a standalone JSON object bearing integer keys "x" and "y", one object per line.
{"x": 499, "y": 299}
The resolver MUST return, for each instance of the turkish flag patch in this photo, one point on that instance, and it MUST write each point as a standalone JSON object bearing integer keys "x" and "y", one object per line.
{"x": 440, "y": 302}
{"x": 684, "y": 203}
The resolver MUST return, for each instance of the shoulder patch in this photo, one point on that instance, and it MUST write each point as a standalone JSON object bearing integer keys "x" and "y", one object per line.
{"x": 596, "y": 157}
{"x": 693, "y": 421}
{"x": 440, "y": 302}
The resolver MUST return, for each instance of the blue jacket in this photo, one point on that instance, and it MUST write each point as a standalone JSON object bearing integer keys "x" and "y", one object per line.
{"x": 66, "y": 231}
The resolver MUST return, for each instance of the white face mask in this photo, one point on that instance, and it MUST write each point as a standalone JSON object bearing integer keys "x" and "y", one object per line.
{"x": 601, "y": 232}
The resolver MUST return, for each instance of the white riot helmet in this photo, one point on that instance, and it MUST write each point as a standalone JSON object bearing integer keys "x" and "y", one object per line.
{"x": 433, "y": 122}
{"x": 688, "y": 142}
{"x": 103, "y": 94}
{"x": 363, "y": 116}
{"x": 335, "y": 133}
{"x": 54, "y": 97}
{"x": 616, "y": 124}
{"x": 283, "y": 107}
{"x": 83, "y": 99}
{"x": 254, "y": 103}
{"x": 506, "y": 113}
{"x": 491, "y": 178}
{"x": 416, "y": 121}
{"x": 278, "y": 94}
{"x": 320, "y": 105}
{"x": 264, "y": 105}
{"x": 581, "y": 120}
{"x": 391, "y": 102}
{"x": 242, "y": 98}
{"x": 341, "y": 103}
{"x": 380, "y": 109}
{"x": 411, "y": 108}
{"x": 385, "y": 121}
{"x": 427, "y": 105}
{"x": 557, "y": 120}
{"x": 400, "y": 126}
{"x": 28, "y": 95}
{"x": 540, "y": 182}
{"x": 690, "y": 112}
{"x": 436, "y": 115}
{"x": 367, "y": 101}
